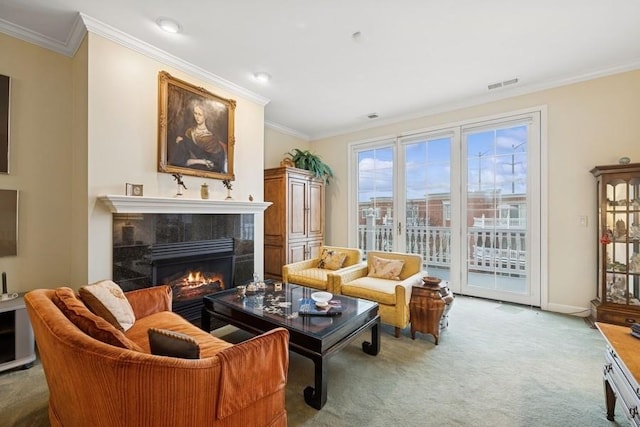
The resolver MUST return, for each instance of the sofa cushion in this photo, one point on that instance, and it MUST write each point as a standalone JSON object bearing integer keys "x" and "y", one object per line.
{"x": 382, "y": 291}
{"x": 209, "y": 345}
{"x": 383, "y": 268}
{"x": 312, "y": 277}
{"x": 92, "y": 325}
{"x": 174, "y": 344}
{"x": 106, "y": 299}
{"x": 331, "y": 260}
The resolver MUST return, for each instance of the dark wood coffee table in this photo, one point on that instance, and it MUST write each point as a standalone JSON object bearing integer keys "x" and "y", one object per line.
{"x": 315, "y": 337}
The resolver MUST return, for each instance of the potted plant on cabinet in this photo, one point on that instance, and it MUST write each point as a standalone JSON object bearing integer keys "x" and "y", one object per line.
{"x": 304, "y": 159}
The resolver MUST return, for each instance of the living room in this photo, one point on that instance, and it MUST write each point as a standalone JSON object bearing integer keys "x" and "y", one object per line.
{"x": 77, "y": 100}
{"x": 84, "y": 125}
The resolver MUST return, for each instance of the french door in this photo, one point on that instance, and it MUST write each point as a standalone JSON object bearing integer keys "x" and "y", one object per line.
{"x": 466, "y": 197}
{"x": 501, "y": 209}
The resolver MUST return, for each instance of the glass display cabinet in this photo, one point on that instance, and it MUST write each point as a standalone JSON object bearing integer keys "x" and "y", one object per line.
{"x": 618, "y": 198}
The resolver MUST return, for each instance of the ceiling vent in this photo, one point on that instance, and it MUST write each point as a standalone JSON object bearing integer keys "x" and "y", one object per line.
{"x": 503, "y": 83}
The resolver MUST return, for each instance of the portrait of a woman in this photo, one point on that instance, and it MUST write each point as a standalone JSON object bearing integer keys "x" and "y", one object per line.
{"x": 196, "y": 130}
{"x": 198, "y": 147}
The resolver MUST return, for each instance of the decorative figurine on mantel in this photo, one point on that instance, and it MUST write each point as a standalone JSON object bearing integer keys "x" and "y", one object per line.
{"x": 178, "y": 178}
{"x": 228, "y": 186}
{"x": 204, "y": 191}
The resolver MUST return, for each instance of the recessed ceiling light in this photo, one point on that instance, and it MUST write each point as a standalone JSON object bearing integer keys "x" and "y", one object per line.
{"x": 262, "y": 77}
{"x": 169, "y": 25}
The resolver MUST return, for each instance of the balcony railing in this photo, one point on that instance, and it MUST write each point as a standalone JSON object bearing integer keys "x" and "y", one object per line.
{"x": 495, "y": 250}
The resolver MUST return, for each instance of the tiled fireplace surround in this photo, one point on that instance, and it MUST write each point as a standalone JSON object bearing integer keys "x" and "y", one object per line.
{"x": 195, "y": 246}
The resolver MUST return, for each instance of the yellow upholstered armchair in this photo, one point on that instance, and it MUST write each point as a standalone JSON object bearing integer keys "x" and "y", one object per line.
{"x": 318, "y": 272}
{"x": 386, "y": 278}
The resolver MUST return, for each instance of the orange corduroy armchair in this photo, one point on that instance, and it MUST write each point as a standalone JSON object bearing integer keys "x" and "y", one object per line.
{"x": 92, "y": 383}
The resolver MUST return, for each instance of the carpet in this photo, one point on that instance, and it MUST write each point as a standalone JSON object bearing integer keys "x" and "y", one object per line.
{"x": 496, "y": 365}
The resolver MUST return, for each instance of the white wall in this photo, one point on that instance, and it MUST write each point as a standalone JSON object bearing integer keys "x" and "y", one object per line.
{"x": 123, "y": 144}
{"x": 279, "y": 144}
{"x": 589, "y": 123}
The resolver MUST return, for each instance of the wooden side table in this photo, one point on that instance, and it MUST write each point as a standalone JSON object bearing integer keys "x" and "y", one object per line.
{"x": 429, "y": 309}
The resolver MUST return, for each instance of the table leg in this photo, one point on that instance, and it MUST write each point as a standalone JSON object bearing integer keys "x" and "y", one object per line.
{"x": 373, "y": 347}
{"x": 317, "y": 397}
{"x": 205, "y": 320}
{"x": 610, "y": 399}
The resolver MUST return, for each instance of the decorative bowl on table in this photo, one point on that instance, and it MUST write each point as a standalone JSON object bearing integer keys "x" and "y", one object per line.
{"x": 431, "y": 281}
{"x": 322, "y": 298}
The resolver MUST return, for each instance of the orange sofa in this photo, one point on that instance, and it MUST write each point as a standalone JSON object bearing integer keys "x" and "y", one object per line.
{"x": 92, "y": 383}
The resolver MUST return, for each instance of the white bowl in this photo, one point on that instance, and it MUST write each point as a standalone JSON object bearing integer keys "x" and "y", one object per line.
{"x": 322, "y": 297}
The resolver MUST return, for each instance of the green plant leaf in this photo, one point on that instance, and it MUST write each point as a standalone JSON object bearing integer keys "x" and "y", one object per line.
{"x": 305, "y": 159}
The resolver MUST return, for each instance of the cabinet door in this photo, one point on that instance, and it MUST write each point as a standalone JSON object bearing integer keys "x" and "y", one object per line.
{"x": 316, "y": 210}
{"x": 313, "y": 248}
{"x": 297, "y": 224}
{"x": 297, "y": 251}
{"x": 622, "y": 284}
{"x": 273, "y": 261}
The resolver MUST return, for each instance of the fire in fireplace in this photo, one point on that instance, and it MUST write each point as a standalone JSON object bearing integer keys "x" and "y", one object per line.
{"x": 193, "y": 270}
{"x": 195, "y": 284}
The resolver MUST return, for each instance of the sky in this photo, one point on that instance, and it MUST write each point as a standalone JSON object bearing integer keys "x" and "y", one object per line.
{"x": 495, "y": 159}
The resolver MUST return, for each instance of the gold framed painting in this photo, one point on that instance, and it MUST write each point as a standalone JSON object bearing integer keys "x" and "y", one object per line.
{"x": 195, "y": 130}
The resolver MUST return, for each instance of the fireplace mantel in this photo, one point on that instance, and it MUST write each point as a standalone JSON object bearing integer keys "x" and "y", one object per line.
{"x": 179, "y": 205}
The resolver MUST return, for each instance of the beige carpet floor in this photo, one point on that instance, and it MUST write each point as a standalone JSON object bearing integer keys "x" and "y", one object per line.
{"x": 496, "y": 365}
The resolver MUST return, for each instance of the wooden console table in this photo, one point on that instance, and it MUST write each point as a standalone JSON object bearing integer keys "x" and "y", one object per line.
{"x": 621, "y": 371}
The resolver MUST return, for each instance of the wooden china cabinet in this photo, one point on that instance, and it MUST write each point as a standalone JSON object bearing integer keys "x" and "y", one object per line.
{"x": 294, "y": 223}
{"x": 618, "y": 198}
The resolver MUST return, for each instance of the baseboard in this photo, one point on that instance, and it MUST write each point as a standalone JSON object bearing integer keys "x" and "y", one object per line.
{"x": 569, "y": 309}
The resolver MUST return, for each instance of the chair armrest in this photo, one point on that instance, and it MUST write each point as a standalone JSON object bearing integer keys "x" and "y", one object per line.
{"x": 251, "y": 370}
{"x": 150, "y": 300}
{"x": 297, "y": 266}
{"x": 345, "y": 275}
{"x": 403, "y": 289}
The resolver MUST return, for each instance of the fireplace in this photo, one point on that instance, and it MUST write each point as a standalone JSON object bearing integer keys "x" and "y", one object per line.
{"x": 193, "y": 270}
{"x": 195, "y": 254}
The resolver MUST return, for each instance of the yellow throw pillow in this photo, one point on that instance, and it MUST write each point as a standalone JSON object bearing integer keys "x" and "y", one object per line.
{"x": 383, "y": 268}
{"x": 331, "y": 260}
{"x": 107, "y": 300}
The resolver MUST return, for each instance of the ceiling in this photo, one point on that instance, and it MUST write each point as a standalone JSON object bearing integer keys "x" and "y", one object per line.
{"x": 410, "y": 58}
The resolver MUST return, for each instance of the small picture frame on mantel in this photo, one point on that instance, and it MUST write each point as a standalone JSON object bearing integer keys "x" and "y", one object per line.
{"x": 133, "y": 189}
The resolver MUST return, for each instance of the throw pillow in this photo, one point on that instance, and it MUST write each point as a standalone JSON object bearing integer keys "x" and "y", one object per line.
{"x": 331, "y": 260}
{"x": 107, "y": 300}
{"x": 92, "y": 325}
{"x": 174, "y": 344}
{"x": 383, "y": 268}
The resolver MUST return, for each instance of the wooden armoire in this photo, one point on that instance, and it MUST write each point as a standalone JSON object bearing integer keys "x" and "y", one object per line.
{"x": 294, "y": 223}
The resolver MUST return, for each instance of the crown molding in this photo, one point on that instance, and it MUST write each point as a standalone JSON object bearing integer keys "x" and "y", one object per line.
{"x": 124, "y": 39}
{"x": 493, "y": 96}
{"x": 67, "y": 48}
{"x": 286, "y": 130}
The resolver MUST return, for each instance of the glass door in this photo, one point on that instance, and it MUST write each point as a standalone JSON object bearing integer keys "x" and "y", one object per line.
{"x": 497, "y": 225}
{"x": 376, "y": 202}
{"x": 427, "y": 203}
